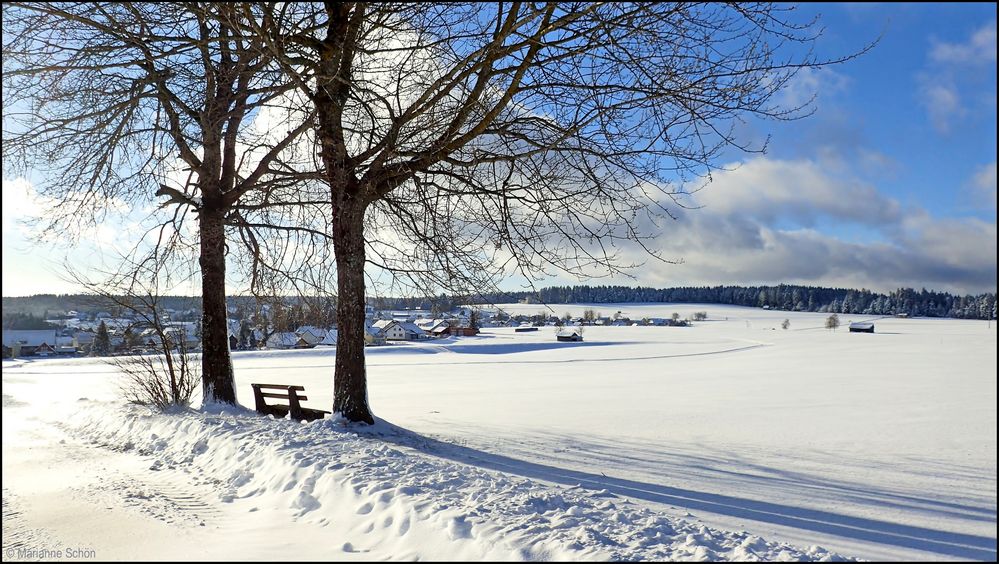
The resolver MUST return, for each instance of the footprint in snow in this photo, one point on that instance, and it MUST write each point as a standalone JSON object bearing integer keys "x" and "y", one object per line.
{"x": 348, "y": 547}
{"x": 460, "y": 529}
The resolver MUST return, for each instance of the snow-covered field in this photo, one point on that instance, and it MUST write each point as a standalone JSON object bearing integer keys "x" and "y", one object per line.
{"x": 732, "y": 439}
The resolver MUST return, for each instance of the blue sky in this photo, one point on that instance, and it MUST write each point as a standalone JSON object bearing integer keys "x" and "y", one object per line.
{"x": 892, "y": 181}
{"x": 894, "y": 101}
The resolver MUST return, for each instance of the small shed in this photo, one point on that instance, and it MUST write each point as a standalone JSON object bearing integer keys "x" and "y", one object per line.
{"x": 862, "y": 327}
{"x": 570, "y": 337}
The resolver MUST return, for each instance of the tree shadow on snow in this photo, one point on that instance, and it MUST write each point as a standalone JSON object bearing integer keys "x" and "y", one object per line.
{"x": 956, "y": 545}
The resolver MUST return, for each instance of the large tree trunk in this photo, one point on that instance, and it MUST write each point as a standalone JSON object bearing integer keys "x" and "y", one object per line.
{"x": 216, "y": 364}
{"x": 350, "y": 385}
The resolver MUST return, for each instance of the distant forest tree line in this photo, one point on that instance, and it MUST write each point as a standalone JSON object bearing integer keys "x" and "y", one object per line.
{"x": 783, "y": 297}
{"x": 290, "y": 312}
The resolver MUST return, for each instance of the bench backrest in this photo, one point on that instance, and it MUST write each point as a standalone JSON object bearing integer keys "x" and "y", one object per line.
{"x": 288, "y": 390}
{"x": 290, "y": 394}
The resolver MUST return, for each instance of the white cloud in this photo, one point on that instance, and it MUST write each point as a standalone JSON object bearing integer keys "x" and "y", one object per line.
{"x": 812, "y": 85}
{"x": 954, "y": 67}
{"x": 767, "y": 190}
{"x": 876, "y": 163}
{"x": 983, "y": 184}
{"x": 980, "y": 48}
{"x": 942, "y": 102}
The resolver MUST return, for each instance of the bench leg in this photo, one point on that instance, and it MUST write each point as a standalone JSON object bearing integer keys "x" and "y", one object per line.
{"x": 258, "y": 400}
{"x": 294, "y": 405}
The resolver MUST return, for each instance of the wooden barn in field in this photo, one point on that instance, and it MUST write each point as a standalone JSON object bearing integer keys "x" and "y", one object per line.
{"x": 862, "y": 327}
{"x": 570, "y": 334}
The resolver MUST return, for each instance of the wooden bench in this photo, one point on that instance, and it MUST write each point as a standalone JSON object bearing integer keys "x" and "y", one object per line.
{"x": 290, "y": 394}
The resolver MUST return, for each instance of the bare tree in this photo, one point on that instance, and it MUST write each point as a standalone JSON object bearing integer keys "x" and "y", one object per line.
{"x": 464, "y": 142}
{"x": 162, "y": 380}
{"x": 112, "y": 105}
{"x": 832, "y": 322}
{"x": 170, "y": 375}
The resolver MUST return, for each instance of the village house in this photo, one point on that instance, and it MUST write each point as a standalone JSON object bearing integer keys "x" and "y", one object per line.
{"x": 435, "y": 327}
{"x": 83, "y": 340}
{"x": 373, "y": 336}
{"x": 286, "y": 340}
{"x": 329, "y": 339}
{"x": 399, "y": 330}
{"x": 39, "y": 342}
{"x": 310, "y": 334}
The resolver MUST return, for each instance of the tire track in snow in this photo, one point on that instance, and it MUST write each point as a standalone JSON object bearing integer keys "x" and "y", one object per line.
{"x": 173, "y": 495}
{"x": 17, "y": 534}
{"x": 170, "y": 500}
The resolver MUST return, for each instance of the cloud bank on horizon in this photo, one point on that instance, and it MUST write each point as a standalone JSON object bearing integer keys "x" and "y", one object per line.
{"x": 770, "y": 221}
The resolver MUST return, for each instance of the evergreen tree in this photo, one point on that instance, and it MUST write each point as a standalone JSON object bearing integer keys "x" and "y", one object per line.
{"x": 102, "y": 342}
{"x": 244, "y": 334}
